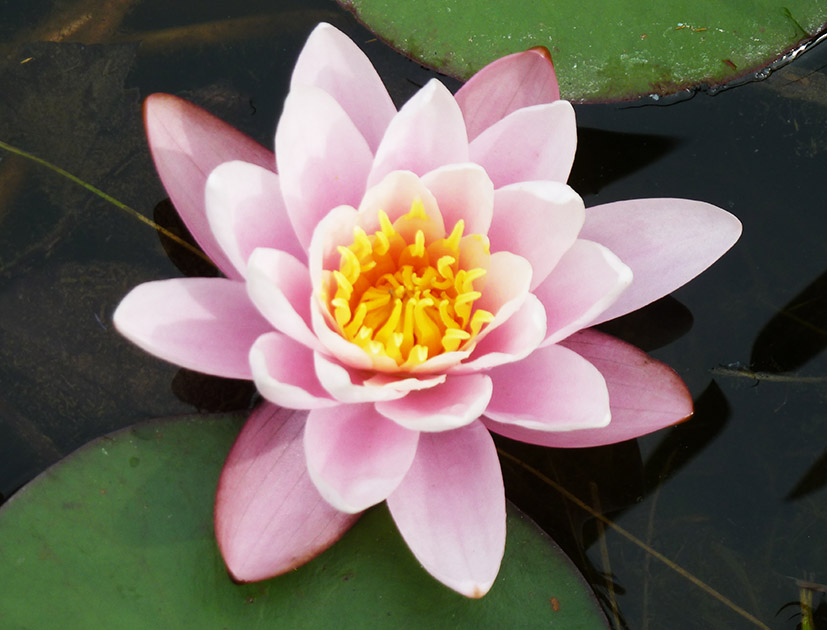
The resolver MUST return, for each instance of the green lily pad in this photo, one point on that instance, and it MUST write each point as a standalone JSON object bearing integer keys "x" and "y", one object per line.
{"x": 119, "y": 535}
{"x": 602, "y": 50}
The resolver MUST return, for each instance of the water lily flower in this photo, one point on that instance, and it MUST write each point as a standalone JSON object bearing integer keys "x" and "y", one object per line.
{"x": 398, "y": 285}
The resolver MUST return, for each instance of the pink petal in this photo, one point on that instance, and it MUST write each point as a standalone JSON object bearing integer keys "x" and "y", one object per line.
{"x": 463, "y": 191}
{"x": 505, "y": 85}
{"x": 666, "y": 242}
{"x": 475, "y": 251}
{"x": 537, "y": 220}
{"x": 395, "y": 194}
{"x": 356, "y": 457}
{"x": 283, "y": 373}
{"x": 553, "y": 389}
{"x": 505, "y": 287}
{"x": 187, "y": 143}
{"x": 204, "y": 324}
{"x": 333, "y": 230}
{"x": 515, "y": 339}
{"x": 450, "y": 508}
{"x": 427, "y": 133}
{"x": 279, "y": 286}
{"x": 645, "y": 395}
{"x": 345, "y": 352}
{"x": 457, "y": 402}
{"x": 440, "y": 363}
{"x": 245, "y": 210}
{"x": 587, "y": 280}
{"x": 323, "y": 159}
{"x": 332, "y": 62}
{"x": 269, "y": 517}
{"x": 533, "y": 143}
{"x": 349, "y": 386}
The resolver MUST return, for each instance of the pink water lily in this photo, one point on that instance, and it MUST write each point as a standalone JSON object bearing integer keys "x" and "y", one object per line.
{"x": 398, "y": 284}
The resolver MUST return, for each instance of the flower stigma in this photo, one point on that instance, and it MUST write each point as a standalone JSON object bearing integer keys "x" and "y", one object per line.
{"x": 408, "y": 301}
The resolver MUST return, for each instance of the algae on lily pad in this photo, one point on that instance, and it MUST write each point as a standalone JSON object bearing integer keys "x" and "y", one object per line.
{"x": 603, "y": 50}
{"x": 119, "y": 535}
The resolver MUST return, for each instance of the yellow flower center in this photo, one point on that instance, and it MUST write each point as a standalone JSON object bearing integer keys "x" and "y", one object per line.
{"x": 409, "y": 301}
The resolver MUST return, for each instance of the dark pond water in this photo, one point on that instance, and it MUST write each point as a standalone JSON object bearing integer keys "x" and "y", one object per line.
{"x": 737, "y": 497}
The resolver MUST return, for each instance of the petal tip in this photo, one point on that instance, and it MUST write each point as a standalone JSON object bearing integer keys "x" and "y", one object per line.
{"x": 543, "y": 52}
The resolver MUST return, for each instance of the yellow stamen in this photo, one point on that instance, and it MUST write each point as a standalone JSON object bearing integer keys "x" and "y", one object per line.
{"x": 392, "y": 301}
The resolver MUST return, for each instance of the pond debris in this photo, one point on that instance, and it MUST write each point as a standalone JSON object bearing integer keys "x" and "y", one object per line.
{"x": 741, "y": 370}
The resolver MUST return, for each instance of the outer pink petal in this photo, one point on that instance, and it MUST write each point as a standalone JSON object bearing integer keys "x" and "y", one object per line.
{"x": 505, "y": 85}
{"x": 204, "y": 324}
{"x": 450, "y": 508}
{"x": 187, "y": 143}
{"x": 245, "y": 210}
{"x": 539, "y": 221}
{"x": 554, "y": 389}
{"x": 332, "y": 62}
{"x": 587, "y": 280}
{"x": 533, "y": 143}
{"x": 463, "y": 191}
{"x": 269, "y": 517}
{"x": 356, "y": 457}
{"x": 515, "y": 339}
{"x": 323, "y": 158}
{"x": 645, "y": 395}
{"x": 348, "y": 386}
{"x": 666, "y": 242}
{"x": 279, "y": 285}
{"x": 457, "y": 402}
{"x": 427, "y": 133}
{"x": 283, "y": 373}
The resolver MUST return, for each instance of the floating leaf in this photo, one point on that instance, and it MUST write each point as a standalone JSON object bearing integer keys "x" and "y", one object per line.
{"x": 119, "y": 535}
{"x": 602, "y": 51}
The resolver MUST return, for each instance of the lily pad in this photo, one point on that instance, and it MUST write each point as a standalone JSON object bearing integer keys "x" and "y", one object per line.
{"x": 609, "y": 50}
{"x": 119, "y": 535}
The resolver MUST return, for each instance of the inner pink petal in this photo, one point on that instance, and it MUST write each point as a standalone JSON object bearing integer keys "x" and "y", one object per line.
{"x": 511, "y": 341}
{"x": 587, "y": 280}
{"x": 512, "y": 150}
{"x": 455, "y": 403}
{"x": 645, "y": 395}
{"x": 425, "y": 134}
{"x": 537, "y": 220}
{"x": 394, "y": 195}
{"x": 279, "y": 285}
{"x": 245, "y": 210}
{"x": 463, "y": 191}
{"x": 553, "y": 389}
{"x": 355, "y": 456}
{"x": 450, "y": 508}
{"x": 331, "y": 61}
{"x": 283, "y": 373}
{"x": 323, "y": 158}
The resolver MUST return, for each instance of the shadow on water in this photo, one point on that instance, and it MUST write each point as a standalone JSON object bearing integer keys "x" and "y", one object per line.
{"x": 796, "y": 334}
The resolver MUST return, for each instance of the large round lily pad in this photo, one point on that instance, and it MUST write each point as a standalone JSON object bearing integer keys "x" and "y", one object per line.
{"x": 119, "y": 535}
{"x": 602, "y": 49}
